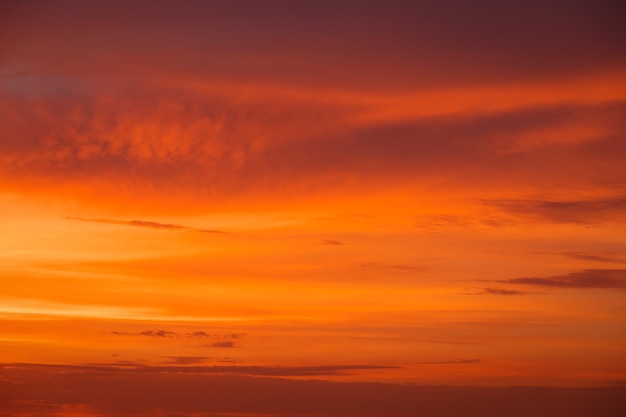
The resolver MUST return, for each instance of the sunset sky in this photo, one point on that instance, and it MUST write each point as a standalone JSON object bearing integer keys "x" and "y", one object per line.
{"x": 272, "y": 208}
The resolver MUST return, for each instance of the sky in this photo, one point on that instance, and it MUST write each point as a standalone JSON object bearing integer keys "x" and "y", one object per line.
{"x": 312, "y": 209}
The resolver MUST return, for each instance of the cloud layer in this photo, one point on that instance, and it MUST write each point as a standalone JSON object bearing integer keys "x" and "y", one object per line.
{"x": 115, "y": 393}
{"x": 587, "y": 279}
{"x": 210, "y": 102}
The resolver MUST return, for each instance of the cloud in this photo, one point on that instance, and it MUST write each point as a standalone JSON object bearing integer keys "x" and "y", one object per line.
{"x": 149, "y": 333}
{"x": 585, "y": 279}
{"x": 286, "y": 371}
{"x": 447, "y": 222}
{"x": 274, "y": 371}
{"x": 224, "y": 344}
{"x": 158, "y": 333}
{"x": 392, "y": 266}
{"x": 164, "y": 143}
{"x": 503, "y": 291}
{"x": 569, "y": 211}
{"x": 388, "y": 339}
{"x": 227, "y": 359}
{"x": 456, "y": 342}
{"x": 331, "y": 242}
{"x": 107, "y": 116}
{"x": 117, "y": 364}
{"x": 451, "y": 362}
{"x": 144, "y": 223}
{"x": 593, "y": 257}
{"x": 139, "y": 223}
{"x": 226, "y": 338}
{"x": 185, "y": 360}
{"x": 122, "y": 392}
{"x": 198, "y": 335}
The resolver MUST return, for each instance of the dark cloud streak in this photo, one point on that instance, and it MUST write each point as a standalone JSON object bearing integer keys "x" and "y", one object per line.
{"x": 585, "y": 279}
{"x": 224, "y": 344}
{"x": 569, "y": 211}
{"x": 452, "y": 362}
{"x": 174, "y": 368}
{"x": 158, "y": 333}
{"x": 185, "y": 360}
{"x": 502, "y": 291}
{"x": 593, "y": 257}
{"x": 144, "y": 223}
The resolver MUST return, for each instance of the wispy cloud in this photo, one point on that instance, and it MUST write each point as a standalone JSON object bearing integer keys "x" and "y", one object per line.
{"x": 249, "y": 151}
{"x": 185, "y": 360}
{"x": 145, "y": 223}
{"x": 198, "y": 335}
{"x": 447, "y": 222}
{"x": 393, "y": 266}
{"x": 223, "y": 344}
{"x": 278, "y": 371}
{"x": 227, "y": 359}
{"x": 158, "y": 333}
{"x": 451, "y": 362}
{"x": 566, "y": 211}
{"x": 502, "y": 291}
{"x": 588, "y": 278}
{"x": 227, "y": 340}
{"x": 586, "y": 256}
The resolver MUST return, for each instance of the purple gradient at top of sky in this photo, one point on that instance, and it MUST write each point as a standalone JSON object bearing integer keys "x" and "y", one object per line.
{"x": 349, "y": 44}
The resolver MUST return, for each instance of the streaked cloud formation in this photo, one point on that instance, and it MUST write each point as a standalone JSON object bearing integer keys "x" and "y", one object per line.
{"x": 503, "y": 291}
{"x": 581, "y": 211}
{"x": 145, "y": 223}
{"x": 590, "y": 278}
{"x": 416, "y": 204}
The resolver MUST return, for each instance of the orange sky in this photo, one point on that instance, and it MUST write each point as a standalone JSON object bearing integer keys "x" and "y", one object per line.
{"x": 253, "y": 195}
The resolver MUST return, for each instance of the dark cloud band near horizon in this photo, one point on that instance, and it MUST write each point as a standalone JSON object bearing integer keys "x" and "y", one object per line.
{"x": 116, "y": 393}
{"x": 189, "y": 365}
